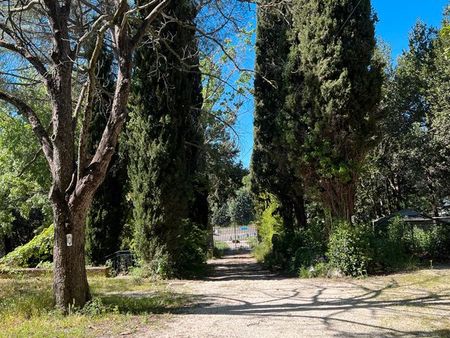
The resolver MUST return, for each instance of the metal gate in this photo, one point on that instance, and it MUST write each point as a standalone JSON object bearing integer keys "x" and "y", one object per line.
{"x": 236, "y": 237}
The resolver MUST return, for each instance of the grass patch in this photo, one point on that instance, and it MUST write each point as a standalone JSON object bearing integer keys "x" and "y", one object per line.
{"x": 220, "y": 248}
{"x": 118, "y": 305}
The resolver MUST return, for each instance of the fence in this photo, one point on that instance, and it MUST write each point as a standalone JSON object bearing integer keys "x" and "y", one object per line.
{"x": 237, "y": 237}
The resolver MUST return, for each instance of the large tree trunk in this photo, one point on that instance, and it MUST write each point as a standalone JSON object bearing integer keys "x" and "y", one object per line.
{"x": 339, "y": 199}
{"x": 73, "y": 188}
{"x": 70, "y": 285}
{"x": 300, "y": 212}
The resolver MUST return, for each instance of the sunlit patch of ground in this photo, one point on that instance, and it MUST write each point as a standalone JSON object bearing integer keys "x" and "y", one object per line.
{"x": 121, "y": 306}
{"x": 242, "y": 300}
{"x": 238, "y": 299}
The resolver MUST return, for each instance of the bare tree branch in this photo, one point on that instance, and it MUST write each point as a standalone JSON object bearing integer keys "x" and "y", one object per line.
{"x": 141, "y": 31}
{"x": 84, "y": 133}
{"x": 32, "y": 59}
{"x": 26, "y": 7}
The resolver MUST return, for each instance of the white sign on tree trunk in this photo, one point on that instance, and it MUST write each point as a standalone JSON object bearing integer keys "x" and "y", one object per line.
{"x": 69, "y": 239}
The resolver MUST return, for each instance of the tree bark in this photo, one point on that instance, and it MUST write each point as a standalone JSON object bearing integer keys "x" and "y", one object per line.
{"x": 70, "y": 285}
{"x": 72, "y": 192}
{"x": 300, "y": 212}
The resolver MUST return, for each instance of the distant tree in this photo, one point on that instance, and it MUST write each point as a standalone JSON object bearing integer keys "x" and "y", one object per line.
{"x": 407, "y": 168}
{"x": 220, "y": 216}
{"x": 241, "y": 208}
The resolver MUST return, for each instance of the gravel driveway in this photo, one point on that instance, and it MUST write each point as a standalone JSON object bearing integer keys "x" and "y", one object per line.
{"x": 242, "y": 300}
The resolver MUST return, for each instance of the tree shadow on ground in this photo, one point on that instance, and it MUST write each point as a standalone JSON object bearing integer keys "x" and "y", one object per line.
{"x": 345, "y": 308}
{"x": 238, "y": 267}
{"x": 331, "y": 310}
{"x": 335, "y": 306}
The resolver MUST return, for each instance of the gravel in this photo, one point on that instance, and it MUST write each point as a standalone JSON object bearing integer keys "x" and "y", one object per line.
{"x": 240, "y": 299}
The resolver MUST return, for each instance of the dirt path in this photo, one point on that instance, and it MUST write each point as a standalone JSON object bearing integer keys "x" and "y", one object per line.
{"x": 242, "y": 300}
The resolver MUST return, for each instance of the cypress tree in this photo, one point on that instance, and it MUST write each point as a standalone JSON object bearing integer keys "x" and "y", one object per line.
{"x": 106, "y": 218}
{"x": 272, "y": 169}
{"x": 335, "y": 99}
{"x": 165, "y": 141}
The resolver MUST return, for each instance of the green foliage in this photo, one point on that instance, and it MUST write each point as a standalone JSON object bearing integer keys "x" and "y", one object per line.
{"x": 157, "y": 268}
{"x": 96, "y": 307}
{"x": 189, "y": 260}
{"x": 269, "y": 225}
{"x": 220, "y": 248}
{"x": 108, "y": 212}
{"x": 39, "y": 249}
{"x": 168, "y": 185}
{"x": 220, "y": 216}
{"x": 284, "y": 250}
{"x": 321, "y": 269}
{"x": 335, "y": 78}
{"x": 192, "y": 253}
{"x": 445, "y": 33}
{"x": 273, "y": 169}
{"x": 24, "y": 174}
{"x": 408, "y": 167}
{"x": 349, "y": 250}
{"x": 271, "y": 222}
{"x": 240, "y": 208}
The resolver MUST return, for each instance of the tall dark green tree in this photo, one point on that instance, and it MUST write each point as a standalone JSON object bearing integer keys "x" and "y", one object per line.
{"x": 334, "y": 105}
{"x": 272, "y": 169}
{"x": 107, "y": 215}
{"x": 165, "y": 141}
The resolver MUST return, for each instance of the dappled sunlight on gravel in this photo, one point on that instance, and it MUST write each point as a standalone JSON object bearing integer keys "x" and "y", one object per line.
{"x": 240, "y": 299}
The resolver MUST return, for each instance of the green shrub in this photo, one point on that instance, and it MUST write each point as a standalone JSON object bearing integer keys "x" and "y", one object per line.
{"x": 269, "y": 225}
{"x": 39, "y": 249}
{"x": 288, "y": 251}
{"x": 220, "y": 248}
{"x": 423, "y": 241}
{"x": 261, "y": 251}
{"x": 192, "y": 254}
{"x": 441, "y": 244}
{"x": 189, "y": 260}
{"x": 271, "y": 222}
{"x": 320, "y": 269}
{"x": 310, "y": 247}
{"x": 389, "y": 255}
{"x": 401, "y": 246}
{"x": 349, "y": 249}
{"x": 96, "y": 307}
{"x": 158, "y": 267}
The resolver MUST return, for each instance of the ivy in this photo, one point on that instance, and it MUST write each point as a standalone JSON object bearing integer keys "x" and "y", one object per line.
{"x": 39, "y": 249}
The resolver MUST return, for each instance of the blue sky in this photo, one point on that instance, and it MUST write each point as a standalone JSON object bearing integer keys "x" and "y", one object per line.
{"x": 396, "y": 18}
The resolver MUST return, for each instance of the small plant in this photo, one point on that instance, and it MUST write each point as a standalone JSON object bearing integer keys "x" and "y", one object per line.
{"x": 349, "y": 250}
{"x": 96, "y": 307}
{"x": 261, "y": 251}
{"x": 320, "y": 269}
{"x": 220, "y": 248}
{"x": 158, "y": 268}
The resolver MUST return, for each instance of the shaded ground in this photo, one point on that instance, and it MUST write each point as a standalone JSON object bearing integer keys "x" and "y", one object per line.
{"x": 242, "y": 300}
